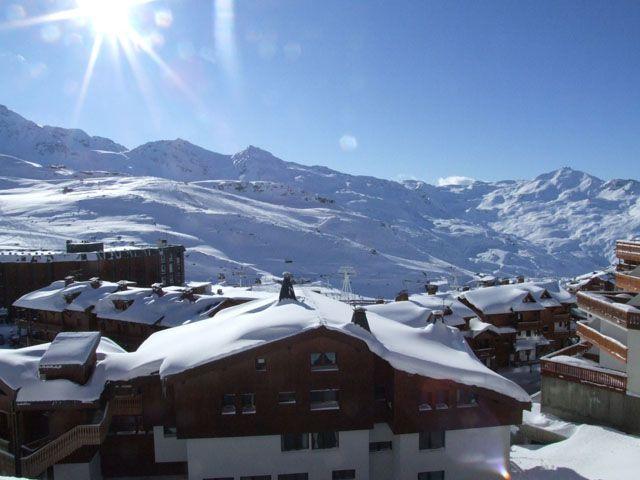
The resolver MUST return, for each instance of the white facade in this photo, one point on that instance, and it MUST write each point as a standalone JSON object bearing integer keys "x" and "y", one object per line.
{"x": 633, "y": 362}
{"x": 470, "y": 454}
{"x": 78, "y": 471}
{"x": 168, "y": 448}
{"x": 262, "y": 455}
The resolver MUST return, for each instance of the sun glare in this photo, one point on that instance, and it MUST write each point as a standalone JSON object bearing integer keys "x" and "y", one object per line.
{"x": 107, "y": 17}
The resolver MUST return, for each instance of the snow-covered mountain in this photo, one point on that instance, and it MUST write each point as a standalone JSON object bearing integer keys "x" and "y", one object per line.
{"x": 251, "y": 212}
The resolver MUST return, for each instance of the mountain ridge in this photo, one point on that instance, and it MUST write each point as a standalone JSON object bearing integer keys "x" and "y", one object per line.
{"x": 254, "y": 211}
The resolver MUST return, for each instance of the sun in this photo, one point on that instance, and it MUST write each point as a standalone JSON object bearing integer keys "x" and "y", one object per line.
{"x": 110, "y": 18}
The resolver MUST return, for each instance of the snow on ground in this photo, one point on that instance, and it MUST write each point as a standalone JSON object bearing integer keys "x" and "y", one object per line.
{"x": 589, "y": 453}
{"x": 250, "y": 213}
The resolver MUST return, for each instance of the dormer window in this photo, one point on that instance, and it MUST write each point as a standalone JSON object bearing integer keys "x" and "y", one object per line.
{"x": 545, "y": 295}
{"x": 261, "y": 364}
{"x": 122, "y": 305}
{"x": 324, "y": 361}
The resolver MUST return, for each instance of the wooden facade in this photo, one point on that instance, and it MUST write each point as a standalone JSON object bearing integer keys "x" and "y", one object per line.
{"x": 195, "y": 404}
{"x": 553, "y": 323}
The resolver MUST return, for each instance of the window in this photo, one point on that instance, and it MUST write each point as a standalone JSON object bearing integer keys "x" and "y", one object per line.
{"x": 287, "y": 398}
{"x": 228, "y": 404}
{"x": 380, "y": 393}
{"x": 431, "y": 440}
{"x": 343, "y": 474}
{"x": 380, "y": 446}
{"x": 322, "y": 440}
{"x": 294, "y": 441}
{"x": 293, "y": 476}
{"x": 324, "y": 399}
{"x": 466, "y": 398}
{"x": 248, "y": 401}
{"x": 325, "y": 361}
{"x": 256, "y": 477}
{"x": 439, "y": 475}
{"x": 442, "y": 399}
{"x": 425, "y": 402}
{"x": 261, "y": 364}
{"x": 219, "y": 478}
{"x": 528, "y": 333}
{"x": 170, "y": 431}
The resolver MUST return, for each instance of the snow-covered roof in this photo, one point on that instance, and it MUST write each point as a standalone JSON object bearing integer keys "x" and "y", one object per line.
{"x": 443, "y": 301}
{"x": 408, "y": 313}
{"x": 174, "y": 307}
{"x": 70, "y": 348}
{"x": 48, "y": 298}
{"x": 477, "y": 326}
{"x": 580, "y": 281}
{"x": 517, "y": 297}
{"x": 435, "y": 351}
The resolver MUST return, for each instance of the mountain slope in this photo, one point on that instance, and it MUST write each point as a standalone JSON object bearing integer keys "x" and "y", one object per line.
{"x": 251, "y": 213}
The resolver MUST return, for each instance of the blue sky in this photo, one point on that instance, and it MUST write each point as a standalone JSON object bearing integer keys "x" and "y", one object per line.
{"x": 417, "y": 89}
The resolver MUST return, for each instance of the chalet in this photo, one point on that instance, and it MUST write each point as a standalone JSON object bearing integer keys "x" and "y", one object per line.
{"x": 598, "y": 379}
{"x": 274, "y": 388}
{"x": 599, "y": 281}
{"x": 24, "y": 271}
{"x": 531, "y": 319}
{"x": 121, "y": 311}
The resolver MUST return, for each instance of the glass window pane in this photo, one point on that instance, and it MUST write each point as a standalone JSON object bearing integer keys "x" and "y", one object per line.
{"x": 320, "y": 440}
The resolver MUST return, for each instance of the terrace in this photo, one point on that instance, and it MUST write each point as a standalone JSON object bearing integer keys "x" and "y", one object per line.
{"x": 569, "y": 364}
{"x": 612, "y": 306}
{"x": 629, "y": 251}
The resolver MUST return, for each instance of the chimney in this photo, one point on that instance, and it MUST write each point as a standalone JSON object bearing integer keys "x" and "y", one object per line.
{"x": 403, "y": 296}
{"x": 68, "y": 280}
{"x": 95, "y": 282}
{"x": 431, "y": 288}
{"x": 520, "y": 278}
{"x": 157, "y": 289}
{"x": 286, "y": 291}
{"x": 162, "y": 243}
{"x": 360, "y": 318}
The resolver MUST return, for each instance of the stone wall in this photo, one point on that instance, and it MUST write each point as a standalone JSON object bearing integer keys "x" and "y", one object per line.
{"x": 589, "y": 404}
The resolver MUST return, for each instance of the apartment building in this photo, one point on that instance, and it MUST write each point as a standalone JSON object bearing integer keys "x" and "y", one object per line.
{"x": 296, "y": 386}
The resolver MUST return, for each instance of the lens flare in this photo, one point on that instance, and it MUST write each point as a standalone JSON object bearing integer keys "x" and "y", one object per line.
{"x": 109, "y": 18}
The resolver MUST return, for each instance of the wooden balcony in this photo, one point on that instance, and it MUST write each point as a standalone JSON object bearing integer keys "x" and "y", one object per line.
{"x": 127, "y": 405}
{"x": 603, "y": 342}
{"x": 599, "y": 306}
{"x": 82, "y": 435}
{"x": 608, "y": 379}
{"x": 627, "y": 282}
{"x": 628, "y": 250}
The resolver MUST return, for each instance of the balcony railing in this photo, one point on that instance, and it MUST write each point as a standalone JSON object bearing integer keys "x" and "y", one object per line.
{"x": 629, "y": 251}
{"x": 627, "y": 282}
{"x": 609, "y": 310}
{"x": 67, "y": 443}
{"x": 609, "y": 379}
{"x": 7, "y": 463}
{"x": 127, "y": 405}
{"x": 603, "y": 342}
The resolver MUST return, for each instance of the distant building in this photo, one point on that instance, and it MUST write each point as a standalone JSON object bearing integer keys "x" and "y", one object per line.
{"x": 530, "y": 319}
{"x": 24, "y": 271}
{"x": 598, "y": 379}
{"x": 280, "y": 389}
{"x": 599, "y": 281}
